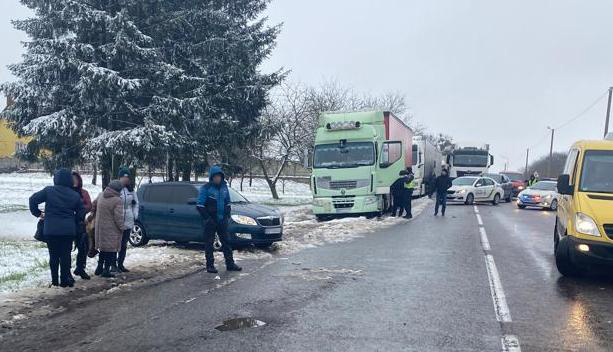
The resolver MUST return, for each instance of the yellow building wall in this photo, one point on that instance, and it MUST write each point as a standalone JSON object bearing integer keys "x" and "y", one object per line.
{"x": 9, "y": 142}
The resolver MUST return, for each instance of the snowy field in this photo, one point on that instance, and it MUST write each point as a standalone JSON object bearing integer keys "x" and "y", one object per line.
{"x": 24, "y": 261}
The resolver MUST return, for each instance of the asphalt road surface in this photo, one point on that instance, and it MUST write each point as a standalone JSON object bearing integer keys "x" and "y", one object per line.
{"x": 480, "y": 279}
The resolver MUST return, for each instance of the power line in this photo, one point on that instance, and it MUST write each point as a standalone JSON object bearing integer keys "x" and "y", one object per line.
{"x": 583, "y": 112}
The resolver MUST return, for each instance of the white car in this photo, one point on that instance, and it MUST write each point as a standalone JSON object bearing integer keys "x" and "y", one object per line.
{"x": 543, "y": 194}
{"x": 470, "y": 189}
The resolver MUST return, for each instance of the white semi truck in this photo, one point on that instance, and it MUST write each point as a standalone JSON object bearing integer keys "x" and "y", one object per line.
{"x": 469, "y": 161}
{"x": 427, "y": 160}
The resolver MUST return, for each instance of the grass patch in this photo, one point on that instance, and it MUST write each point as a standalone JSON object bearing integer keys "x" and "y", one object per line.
{"x": 13, "y": 277}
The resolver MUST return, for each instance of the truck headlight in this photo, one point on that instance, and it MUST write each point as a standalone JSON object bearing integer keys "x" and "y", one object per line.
{"x": 319, "y": 202}
{"x": 586, "y": 225}
{"x": 370, "y": 200}
{"x": 244, "y": 220}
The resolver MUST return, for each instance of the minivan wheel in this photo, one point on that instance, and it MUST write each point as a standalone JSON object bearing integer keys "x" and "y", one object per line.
{"x": 564, "y": 262}
{"x": 470, "y": 199}
{"x": 496, "y": 199}
{"x": 138, "y": 236}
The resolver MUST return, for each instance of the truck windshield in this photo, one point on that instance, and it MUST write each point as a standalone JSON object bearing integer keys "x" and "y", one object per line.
{"x": 470, "y": 160}
{"x": 352, "y": 154}
{"x": 597, "y": 174}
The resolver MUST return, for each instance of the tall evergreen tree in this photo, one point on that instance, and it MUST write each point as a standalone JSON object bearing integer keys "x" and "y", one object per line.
{"x": 127, "y": 81}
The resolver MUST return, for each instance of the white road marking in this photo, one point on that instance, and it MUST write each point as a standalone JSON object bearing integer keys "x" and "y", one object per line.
{"x": 479, "y": 220}
{"x": 510, "y": 343}
{"x": 485, "y": 243}
{"x": 476, "y": 209}
{"x": 498, "y": 297}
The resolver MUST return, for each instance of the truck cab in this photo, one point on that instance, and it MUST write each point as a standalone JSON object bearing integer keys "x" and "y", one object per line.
{"x": 357, "y": 156}
{"x": 469, "y": 161}
{"x": 583, "y": 234}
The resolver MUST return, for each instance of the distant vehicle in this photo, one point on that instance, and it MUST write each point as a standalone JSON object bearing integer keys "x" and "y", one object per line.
{"x": 427, "y": 160}
{"x": 542, "y": 194}
{"x": 168, "y": 212}
{"x": 518, "y": 181}
{"x": 583, "y": 235}
{"x": 469, "y": 161}
{"x": 505, "y": 183}
{"x": 470, "y": 189}
{"x": 356, "y": 159}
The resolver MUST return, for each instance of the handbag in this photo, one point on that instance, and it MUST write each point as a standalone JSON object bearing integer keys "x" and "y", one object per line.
{"x": 39, "y": 235}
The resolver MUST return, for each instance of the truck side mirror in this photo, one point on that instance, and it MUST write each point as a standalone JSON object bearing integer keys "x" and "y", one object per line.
{"x": 564, "y": 186}
{"x": 491, "y": 159}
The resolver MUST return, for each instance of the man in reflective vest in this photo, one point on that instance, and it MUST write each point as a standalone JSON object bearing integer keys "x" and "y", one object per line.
{"x": 409, "y": 187}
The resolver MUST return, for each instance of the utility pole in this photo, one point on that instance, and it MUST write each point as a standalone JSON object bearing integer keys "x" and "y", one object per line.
{"x": 526, "y": 170}
{"x": 606, "y": 123}
{"x": 550, "y": 151}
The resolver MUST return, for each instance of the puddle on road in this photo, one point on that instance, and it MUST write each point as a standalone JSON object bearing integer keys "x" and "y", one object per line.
{"x": 239, "y": 323}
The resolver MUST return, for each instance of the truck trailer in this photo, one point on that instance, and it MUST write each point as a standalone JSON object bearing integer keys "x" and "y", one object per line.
{"x": 427, "y": 159}
{"x": 357, "y": 157}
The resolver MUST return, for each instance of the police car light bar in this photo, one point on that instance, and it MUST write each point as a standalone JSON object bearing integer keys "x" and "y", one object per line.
{"x": 343, "y": 125}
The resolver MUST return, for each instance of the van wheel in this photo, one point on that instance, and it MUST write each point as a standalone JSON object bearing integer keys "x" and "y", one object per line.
{"x": 564, "y": 262}
{"x": 470, "y": 199}
{"x": 556, "y": 240}
{"x": 138, "y": 236}
{"x": 496, "y": 199}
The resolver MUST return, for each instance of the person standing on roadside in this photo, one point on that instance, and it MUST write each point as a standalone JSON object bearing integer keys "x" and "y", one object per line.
{"x": 109, "y": 227}
{"x": 81, "y": 240}
{"x": 397, "y": 190}
{"x": 441, "y": 184}
{"x": 63, "y": 208}
{"x": 407, "y": 194}
{"x": 130, "y": 214}
{"x": 214, "y": 207}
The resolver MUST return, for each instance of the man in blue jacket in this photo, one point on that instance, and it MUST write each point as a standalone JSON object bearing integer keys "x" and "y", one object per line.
{"x": 63, "y": 207}
{"x": 214, "y": 207}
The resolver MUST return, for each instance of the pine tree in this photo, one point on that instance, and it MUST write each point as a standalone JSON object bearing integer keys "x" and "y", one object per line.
{"x": 134, "y": 81}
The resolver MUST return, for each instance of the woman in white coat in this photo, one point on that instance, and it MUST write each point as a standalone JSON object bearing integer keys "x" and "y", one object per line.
{"x": 130, "y": 214}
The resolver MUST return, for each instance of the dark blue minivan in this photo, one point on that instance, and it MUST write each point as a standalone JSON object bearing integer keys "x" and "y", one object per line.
{"x": 168, "y": 212}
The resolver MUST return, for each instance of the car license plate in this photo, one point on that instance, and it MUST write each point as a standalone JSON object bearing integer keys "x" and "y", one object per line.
{"x": 273, "y": 231}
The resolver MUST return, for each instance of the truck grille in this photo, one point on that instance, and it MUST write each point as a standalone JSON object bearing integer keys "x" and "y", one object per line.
{"x": 608, "y": 229}
{"x": 269, "y": 221}
{"x": 343, "y": 203}
{"x": 343, "y": 184}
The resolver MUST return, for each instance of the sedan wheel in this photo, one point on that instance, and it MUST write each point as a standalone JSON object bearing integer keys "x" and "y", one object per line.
{"x": 554, "y": 205}
{"x": 496, "y": 199}
{"x": 138, "y": 237}
{"x": 470, "y": 199}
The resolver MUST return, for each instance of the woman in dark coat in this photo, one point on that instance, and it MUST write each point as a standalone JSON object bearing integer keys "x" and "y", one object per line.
{"x": 81, "y": 239}
{"x": 63, "y": 207}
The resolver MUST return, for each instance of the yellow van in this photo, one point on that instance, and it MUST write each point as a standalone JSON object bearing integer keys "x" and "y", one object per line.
{"x": 583, "y": 234}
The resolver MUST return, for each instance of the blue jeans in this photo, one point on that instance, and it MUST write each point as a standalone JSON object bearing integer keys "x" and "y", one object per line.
{"x": 441, "y": 200}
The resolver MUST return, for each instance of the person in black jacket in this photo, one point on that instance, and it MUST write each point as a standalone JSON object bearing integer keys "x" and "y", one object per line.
{"x": 63, "y": 209}
{"x": 397, "y": 190}
{"x": 441, "y": 185}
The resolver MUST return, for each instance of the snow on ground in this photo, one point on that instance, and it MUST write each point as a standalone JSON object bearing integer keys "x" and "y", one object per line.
{"x": 24, "y": 261}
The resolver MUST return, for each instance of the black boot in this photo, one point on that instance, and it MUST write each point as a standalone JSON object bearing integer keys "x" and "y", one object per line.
{"x": 210, "y": 268}
{"x": 99, "y": 269}
{"x": 82, "y": 274}
{"x": 67, "y": 283}
{"x": 122, "y": 269}
{"x": 231, "y": 266}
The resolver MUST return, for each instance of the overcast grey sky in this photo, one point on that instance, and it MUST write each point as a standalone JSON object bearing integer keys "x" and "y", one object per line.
{"x": 482, "y": 71}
